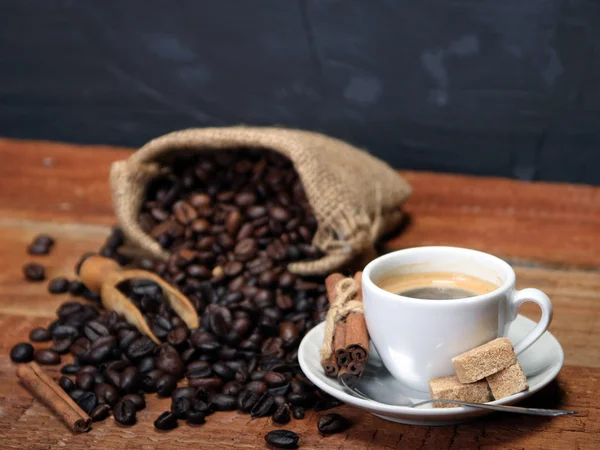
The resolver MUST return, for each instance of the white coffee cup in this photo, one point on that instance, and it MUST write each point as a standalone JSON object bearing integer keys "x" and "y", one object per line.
{"x": 416, "y": 338}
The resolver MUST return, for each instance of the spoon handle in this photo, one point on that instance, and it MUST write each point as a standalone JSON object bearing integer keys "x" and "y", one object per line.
{"x": 503, "y": 408}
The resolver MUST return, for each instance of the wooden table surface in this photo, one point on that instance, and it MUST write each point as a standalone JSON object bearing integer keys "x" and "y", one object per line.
{"x": 550, "y": 233}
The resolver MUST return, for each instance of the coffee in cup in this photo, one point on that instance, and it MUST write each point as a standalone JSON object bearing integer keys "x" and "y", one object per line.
{"x": 435, "y": 285}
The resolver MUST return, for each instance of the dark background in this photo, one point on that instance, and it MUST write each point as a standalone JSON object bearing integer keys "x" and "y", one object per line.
{"x": 508, "y": 88}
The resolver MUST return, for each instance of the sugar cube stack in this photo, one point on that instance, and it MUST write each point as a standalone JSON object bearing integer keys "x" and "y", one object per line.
{"x": 485, "y": 360}
{"x": 508, "y": 381}
{"x": 490, "y": 371}
{"x": 450, "y": 388}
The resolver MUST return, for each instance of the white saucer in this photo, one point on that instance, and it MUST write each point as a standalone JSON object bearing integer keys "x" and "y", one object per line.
{"x": 541, "y": 363}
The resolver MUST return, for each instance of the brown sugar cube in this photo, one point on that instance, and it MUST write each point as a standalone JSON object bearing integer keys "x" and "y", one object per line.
{"x": 508, "y": 382}
{"x": 485, "y": 360}
{"x": 449, "y": 388}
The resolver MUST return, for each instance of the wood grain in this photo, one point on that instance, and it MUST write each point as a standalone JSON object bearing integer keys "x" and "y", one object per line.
{"x": 522, "y": 222}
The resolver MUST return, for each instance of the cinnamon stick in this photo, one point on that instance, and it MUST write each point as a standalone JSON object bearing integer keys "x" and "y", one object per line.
{"x": 357, "y": 337}
{"x": 332, "y": 365}
{"x": 48, "y": 391}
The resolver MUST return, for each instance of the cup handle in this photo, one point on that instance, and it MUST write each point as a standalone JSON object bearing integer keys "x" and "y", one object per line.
{"x": 535, "y": 296}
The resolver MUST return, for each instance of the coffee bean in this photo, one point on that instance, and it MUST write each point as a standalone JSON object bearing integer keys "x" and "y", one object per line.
{"x": 305, "y": 400}
{"x": 247, "y": 399}
{"x": 100, "y": 353}
{"x": 256, "y": 386}
{"x": 40, "y": 335}
{"x": 85, "y": 381}
{"x": 141, "y": 347}
{"x": 66, "y": 384}
{"x": 233, "y": 268}
{"x": 169, "y": 361}
{"x": 207, "y": 384}
{"x": 75, "y": 394}
{"x": 94, "y": 329}
{"x": 202, "y": 404}
{"x": 165, "y": 384}
{"x": 182, "y": 392}
{"x": 232, "y": 388}
{"x": 184, "y": 212}
{"x": 223, "y": 371}
{"x": 282, "y": 439}
{"x": 195, "y": 417}
{"x": 326, "y": 403}
{"x": 22, "y": 352}
{"x": 282, "y": 414}
{"x": 223, "y": 402}
{"x": 150, "y": 379}
{"x": 264, "y": 407}
{"x": 40, "y": 245}
{"x": 181, "y": 406}
{"x": 34, "y": 272}
{"x": 137, "y": 400}
{"x": 76, "y": 288}
{"x": 44, "y": 357}
{"x": 58, "y": 285}
{"x": 124, "y": 412}
{"x": 100, "y": 413}
{"x": 87, "y": 401}
{"x": 298, "y": 412}
{"x": 110, "y": 394}
{"x": 275, "y": 379}
{"x": 129, "y": 380}
{"x": 245, "y": 249}
{"x": 166, "y": 421}
{"x": 332, "y": 423}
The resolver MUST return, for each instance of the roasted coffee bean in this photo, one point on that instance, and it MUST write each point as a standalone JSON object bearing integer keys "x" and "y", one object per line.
{"x": 326, "y": 403}
{"x": 94, "y": 329}
{"x": 76, "y": 288}
{"x": 66, "y": 384}
{"x": 178, "y": 337}
{"x": 85, "y": 381}
{"x": 150, "y": 379}
{"x": 199, "y": 369}
{"x": 223, "y": 371}
{"x": 34, "y": 272}
{"x": 282, "y": 414}
{"x": 40, "y": 245}
{"x": 110, "y": 394}
{"x": 305, "y": 399}
{"x": 146, "y": 364}
{"x": 256, "y": 386}
{"x": 169, "y": 361}
{"x": 40, "y": 335}
{"x": 76, "y": 393}
{"x": 69, "y": 369}
{"x": 202, "y": 404}
{"x": 22, "y": 352}
{"x": 298, "y": 412}
{"x": 58, "y": 285}
{"x": 184, "y": 212}
{"x": 181, "y": 406}
{"x": 124, "y": 412}
{"x": 245, "y": 249}
{"x": 247, "y": 399}
{"x": 45, "y": 357}
{"x": 100, "y": 413}
{"x": 220, "y": 320}
{"x": 137, "y": 400}
{"x": 126, "y": 338}
{"x": 282, "y": 439}
{"x": 117, "y": 366}
{"x": 166, "y": 421}
{"x": 100, "y": 353}
{"x": 87, "y": 401}
{"x": 232, "y": 388}
{"x": 99, "y": 378}
{"x": 61, "y": 346}
{"x": 165, "y": 384}
{"x": 129, "y": 380}
{"x": 195, "y": 417}
{"x": 257, "y": 375}
{"x": 182, "y": 392}
{"x": 264, "y": 407}
{"x": 210, "y": 384}
{"x": 113, "y": 377}
{"x": 275, "y": 379}
{"x": 223, "y": 402}
{"x": 141, "y": 347}
{"x": 332, "y": 423}
{"x": 280, "y": 390}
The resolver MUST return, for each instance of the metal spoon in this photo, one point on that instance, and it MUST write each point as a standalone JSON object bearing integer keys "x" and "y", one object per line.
{"x": 511, "y": 409}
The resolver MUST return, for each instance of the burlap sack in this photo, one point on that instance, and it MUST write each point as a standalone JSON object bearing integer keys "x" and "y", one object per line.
{"x": 355, "y": 197}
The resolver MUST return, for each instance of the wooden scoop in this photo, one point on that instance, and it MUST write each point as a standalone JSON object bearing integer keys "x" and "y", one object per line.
{"x": 102, "y": 275}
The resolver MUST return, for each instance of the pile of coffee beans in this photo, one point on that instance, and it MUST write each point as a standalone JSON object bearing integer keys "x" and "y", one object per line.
{"x": 232, "y": 222}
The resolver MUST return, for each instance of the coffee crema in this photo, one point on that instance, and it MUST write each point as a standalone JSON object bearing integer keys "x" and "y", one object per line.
{"x": 436, "y": 285}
